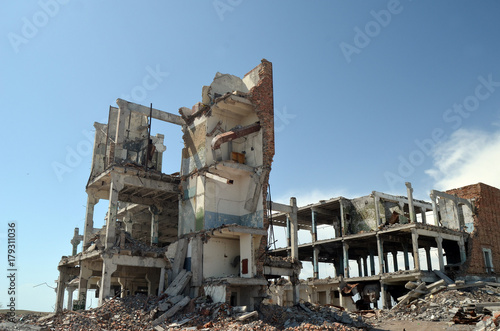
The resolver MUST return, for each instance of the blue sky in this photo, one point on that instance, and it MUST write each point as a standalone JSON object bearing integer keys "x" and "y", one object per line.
{"x": 368, "y": 95}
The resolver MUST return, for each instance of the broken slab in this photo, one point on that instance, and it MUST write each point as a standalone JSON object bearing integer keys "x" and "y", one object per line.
{"x": 179, "y": 283}
{"x": 171, "y": 312}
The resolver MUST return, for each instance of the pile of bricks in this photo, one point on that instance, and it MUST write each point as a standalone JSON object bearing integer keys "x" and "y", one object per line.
{"x": 142, "y": 313}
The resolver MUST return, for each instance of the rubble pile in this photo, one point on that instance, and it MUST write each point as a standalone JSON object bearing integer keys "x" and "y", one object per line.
{"x": 459, "y": 303}
{"x": 145, "y": 313}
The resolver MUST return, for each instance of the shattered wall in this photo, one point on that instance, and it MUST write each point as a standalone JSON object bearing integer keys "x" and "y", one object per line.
{"x": 224, "y": 180}
{"x": 485, "y": 227}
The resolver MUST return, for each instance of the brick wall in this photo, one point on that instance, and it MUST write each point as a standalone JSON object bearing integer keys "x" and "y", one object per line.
{"x": 486, "y": 227}
{"x": 261, "y": 96}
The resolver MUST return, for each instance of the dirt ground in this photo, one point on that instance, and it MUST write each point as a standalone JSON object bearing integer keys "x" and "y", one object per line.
{"x": 421, "y": 325}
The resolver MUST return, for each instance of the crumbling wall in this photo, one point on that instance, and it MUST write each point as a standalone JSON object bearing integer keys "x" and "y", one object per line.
{"x": 486, "y": 223}
{"x": 361, "y": 215}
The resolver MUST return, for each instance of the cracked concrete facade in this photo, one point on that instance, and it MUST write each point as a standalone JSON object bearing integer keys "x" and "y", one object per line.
{"x": 208, "y": 222}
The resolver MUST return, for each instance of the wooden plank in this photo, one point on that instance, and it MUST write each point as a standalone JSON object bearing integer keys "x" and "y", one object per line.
{"x": 179, "y": 283}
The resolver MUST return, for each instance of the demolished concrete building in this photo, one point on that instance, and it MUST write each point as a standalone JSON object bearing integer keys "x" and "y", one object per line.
{"x": 204, "y": 229}
{"x": 380, "y": 242}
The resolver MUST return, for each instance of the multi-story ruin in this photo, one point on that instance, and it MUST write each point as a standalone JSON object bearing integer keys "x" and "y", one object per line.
{"x": 380, "y": 242}
{"x": 204, "y": 230}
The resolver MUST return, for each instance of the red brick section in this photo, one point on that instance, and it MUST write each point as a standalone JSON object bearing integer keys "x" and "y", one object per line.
{"x": 486, "y": 227}
{"x": 261, "y": 95}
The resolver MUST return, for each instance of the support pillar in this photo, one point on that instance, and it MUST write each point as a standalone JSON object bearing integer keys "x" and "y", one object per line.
{"x": 108, "y": 267}
{"x": 461, "y": 246}
{"x": 409, "y": 190}
{"x": 295, "y": 247}
{"x": 152, "y": 278}
{"x": 343, "y": 224}
{"x": 428, "y": 257}
{"x": 89, "y": 218}
{"x": 85, "y": 274}
{"x": 61, "y": 287}
{"x": 360, "y": 267}
{"x": 386, "y": 261}
{"x": 383, "y": 295}
{"x": 380, "y": 249}
{"x": 115, "y": 188}
{"x": 395, "y": 260}
{"x": 288, "y": 235}
{"x": 129, "y": 224}
{"x": 365, "y": 266}
{"x": 414, "y": 242}
{"x": 314, "y": 238}
{"x": 345, "y": 248}
{"x": 439, "y": 241}
{"x": 434, "y": 209}
{"x": 372, "y": 262}
{"x": 316, "y": 262}
{"x": 161, "y": 284}
{"x": 69, "y": 302}
{"x": 123, "y": 287}
{"x": 155, "y": 224}
{"x": 405, "y": 255}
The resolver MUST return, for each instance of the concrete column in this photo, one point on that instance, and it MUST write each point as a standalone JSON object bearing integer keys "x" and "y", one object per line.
{"x": 409, "y": 190}
{"x": 288, "y": 235}
{"x": 89, "y": 218}
{"x": 383, "y": 295}
{"x": 365, "y": 266}
{"x": 196, "y": 261}
{"x": 439, "y": 241}
{"x": 380, "y": 249}
{"x": 434, "y": 208}
{"x": 414, "y": 242}
{"x": 424, "y": 217}
{"x": 386, "y": 261}
{"x": 85, "y": 274}
{"x": 376, "y": 200}
{"x": 161, "y": 284}
{"x": 405, "y": 255}
{"x": 342, "y": 219}
{"x": 123, "y": 287}
{"x": 155, "y": 224}
{"x": 395, "y": 260}
{"x": 108, "y": 267}
{"x": 372, "y": 263}
{"x": 316, "y": 262}
{"x": 61, "y": 286}
{"x": 69, "y": 302}
{"x": 428, "y": 257}
{"x": 314, "y": 227}
{"x": 461, "y": 246}
{"x": 115, "y": 188}
{"x": 294, "y": 228}
{"x": 345, "y": 248}
{"x": 360, "y": 267}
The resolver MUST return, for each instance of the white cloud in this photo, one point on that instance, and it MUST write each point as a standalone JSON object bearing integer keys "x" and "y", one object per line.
{"x": 467, "y": 157}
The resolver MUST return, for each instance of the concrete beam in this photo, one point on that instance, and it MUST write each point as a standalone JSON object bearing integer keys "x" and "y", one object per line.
{"x": 276, "y": 206}
{"x": 394, "y": 198}
{"x": 156, "y": 114}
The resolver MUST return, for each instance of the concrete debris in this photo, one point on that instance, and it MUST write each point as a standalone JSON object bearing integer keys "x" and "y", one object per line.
{"x": 141, "y": 313}
{"x": 475, "y": 303}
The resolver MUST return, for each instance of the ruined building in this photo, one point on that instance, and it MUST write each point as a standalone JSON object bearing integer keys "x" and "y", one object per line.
{"x": 203, "y": 229}
{"x": 380, "y": 242}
